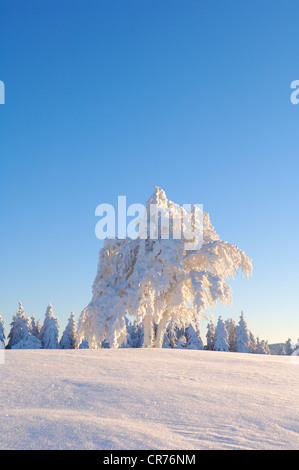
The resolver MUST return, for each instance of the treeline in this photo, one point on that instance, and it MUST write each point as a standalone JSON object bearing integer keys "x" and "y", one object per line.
{"x": 225, "y": 335}
{"x": 26, "y": 333}
{"x": 229, "y": 336}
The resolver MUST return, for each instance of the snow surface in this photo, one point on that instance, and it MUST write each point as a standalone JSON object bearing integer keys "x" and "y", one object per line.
{"x": 148, "y": 399}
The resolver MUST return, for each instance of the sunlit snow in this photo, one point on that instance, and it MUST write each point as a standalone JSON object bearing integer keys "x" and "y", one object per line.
{"x": 148, "y": 399}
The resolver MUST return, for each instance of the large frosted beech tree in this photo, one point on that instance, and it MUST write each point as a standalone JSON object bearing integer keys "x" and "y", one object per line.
{"x": 157, "y": 280}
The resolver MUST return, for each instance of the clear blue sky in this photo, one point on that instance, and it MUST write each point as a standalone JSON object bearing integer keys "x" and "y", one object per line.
{"x": 108, "y": 98}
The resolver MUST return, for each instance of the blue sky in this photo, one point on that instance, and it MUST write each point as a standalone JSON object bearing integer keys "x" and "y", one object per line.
{"x": 108, "y": 98}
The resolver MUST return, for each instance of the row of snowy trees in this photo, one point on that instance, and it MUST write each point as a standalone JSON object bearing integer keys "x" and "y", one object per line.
{"x": 26, "y": 333}
{"x": 226, "y": 335}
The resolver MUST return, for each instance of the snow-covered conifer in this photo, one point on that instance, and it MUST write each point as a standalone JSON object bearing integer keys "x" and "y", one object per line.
{"x": 267, "y": 349}
{"x": 173, "y": 334}
{"x": 134, "y": 334}
{"x": 289, "y": 347}
{"x": 182, "y": 342}
{"x": 210, "y": 336}
{"x": 35, "y": 327}
{"x": 83, "y": 344}
{"x": 2, "y": 333}
{"x": 253, "y": 343}
{"x": 28, "y": 342}
{"x": 49, "y": 332}
{"x": 262, "y": 347}
{"x": 221, "y": 336}
{"x": 230, "y": 326}
{"x": 20, "y": 336}
{"x": 157, "y": 279}
{"x": 193, "y": 338}
{"x": 19, "y": 327}
{"x": 69, "y": 338}
{"x": 166, "y": 343}
{"x": 243, "y": 336}
{"x": 130, "y": 334}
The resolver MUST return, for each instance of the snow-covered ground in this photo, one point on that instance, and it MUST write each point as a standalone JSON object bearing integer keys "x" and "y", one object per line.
{"x": 148, "y": 399}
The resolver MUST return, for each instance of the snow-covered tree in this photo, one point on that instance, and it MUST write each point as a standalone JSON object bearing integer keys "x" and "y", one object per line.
{"x": 267, "y": 349}
{"x": 2, "y": 333}
{"x": 182, "y": 342}
{"x": 262, "y": 347}
{"x": 134, "y": 334}
{"x": 20, "y": 327}
{"x": 28, "y": 342}
{"x": 173, "y": 333}
{"x": 166, "y": 343}
{"x": 289, "y": 347}
{"x": 69, "y": 338}
{"x": 242, "y": 336}
{"x": 182, "y": 336}
{"x": 15, "y": 334}
{"x": 83, "y": 344}
{"x": 230, "y": 326}
{"x": 20, "y": 336}
{"x": 157, "y": 279}
{"x": 49, "y": 332}
{"x": 193, "y": 338}
{"x": 210, "y": 336}
{"x": 221, "y": 336}
{"x": 35, "y": 327}
{"x": 253, "y": 343}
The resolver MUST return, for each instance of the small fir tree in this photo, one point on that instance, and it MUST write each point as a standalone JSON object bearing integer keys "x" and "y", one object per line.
{"x": 289, "y": 347}
{"x": 20, "y": 327}
{"x": 35, "y": 327}
{"x": 69, "y": 339}
{"x": 210, "y": 336}
{"x": 49, "y": 332}
{"x": 243, "y": 336}
{"x": 221, "y": 336}
{"x": 230, "y": 326}
{"x": 193, "y": 338}
{"x": 262, "y": 347}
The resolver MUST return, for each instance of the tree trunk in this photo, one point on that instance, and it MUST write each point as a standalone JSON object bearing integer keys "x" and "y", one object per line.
{"x": 148, "y": 328}
{"x": 160, "y": 330}
{"x": 152, "y": 339}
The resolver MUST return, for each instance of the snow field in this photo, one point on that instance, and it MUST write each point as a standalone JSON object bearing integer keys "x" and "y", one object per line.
{"x": 148, "y": 399}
